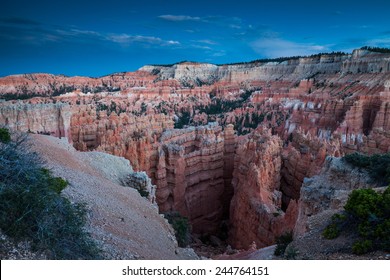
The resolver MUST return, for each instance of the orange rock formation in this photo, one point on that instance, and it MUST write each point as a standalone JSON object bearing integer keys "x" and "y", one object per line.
{"x": 307, "y": 108}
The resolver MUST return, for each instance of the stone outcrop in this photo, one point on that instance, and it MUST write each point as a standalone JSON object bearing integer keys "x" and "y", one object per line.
{"x": 303, "y": 157}
{"x": 142, "y": 183}
{"x": 322, "y": 196}
{"x": 327, "y": 193}
{"x": 256, "y": 208}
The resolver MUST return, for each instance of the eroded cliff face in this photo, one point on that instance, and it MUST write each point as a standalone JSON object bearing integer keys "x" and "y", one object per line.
{"x": 256, "y": 208}
{"x": 126, "y": 135}
{"x": 193, "y": 175}
{"x": 275, "y": 125}
{"x": 52, "y": 119}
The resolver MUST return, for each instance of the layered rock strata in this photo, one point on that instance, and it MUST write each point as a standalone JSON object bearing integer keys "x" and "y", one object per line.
{"x": 193, "y": 174}
{"x": 256, "y": 208}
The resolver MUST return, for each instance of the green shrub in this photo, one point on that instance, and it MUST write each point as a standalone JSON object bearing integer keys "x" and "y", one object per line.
{"x": 5, "y": 136}
{"x": 363, "y": 203}
{"x": 362, "y": 247}
{"x": 282, "y": 242}
{"x": 32, "y": 208}
{"x": 181, "y": 226}
{"x": 333, "y": 230}
{"x": 377, "y": 166}
{"x": 367, "y": 214}
{"x": 358, "y": 160}
{"x": 57, "y": 184}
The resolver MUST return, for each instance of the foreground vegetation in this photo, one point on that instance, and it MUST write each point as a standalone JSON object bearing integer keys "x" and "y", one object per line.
{"x": 181, "y": 227}
{"x": 282, "y": 243}
{"x": 377, "y": 166}
{"x": 33, "y": 208}
{"x": 367, "y": 212}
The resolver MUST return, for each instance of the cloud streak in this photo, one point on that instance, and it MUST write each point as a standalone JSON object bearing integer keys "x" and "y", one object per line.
{"x": 177, "y": 18}
{"x": 33, "y": 33}
{"x": 206, "y": 41}
{"x": 126, "y": 39}
{"x": 221, "y": 21}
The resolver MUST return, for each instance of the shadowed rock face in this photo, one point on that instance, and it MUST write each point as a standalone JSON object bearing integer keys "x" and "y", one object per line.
{"x": 308, "y": 108}
{"x": 193, "y": 174}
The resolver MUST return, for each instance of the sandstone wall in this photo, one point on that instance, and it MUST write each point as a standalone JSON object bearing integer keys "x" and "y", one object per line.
{"x": 256, "y": 213}
{"x": 193, "y": 174}
{"x": 52, "y": 119}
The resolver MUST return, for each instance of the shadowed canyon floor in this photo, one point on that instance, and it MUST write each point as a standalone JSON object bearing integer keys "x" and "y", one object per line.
{"x": 228, "y": 147}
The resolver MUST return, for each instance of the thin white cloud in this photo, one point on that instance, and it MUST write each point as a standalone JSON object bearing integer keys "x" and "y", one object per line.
{"x": 208, "y": 42}
{"x": 222, "y": 21}
{"x": 77, "y": 33}
{"x": 219, "y": 54}
{"x": 55, "y": 34}
{"x": 277, "y": 47}
{"x": 128, "y": 39}
{"x": 235, "y": 26}
{"x": 179, "y": 18}
{"x": 201, "y": 47}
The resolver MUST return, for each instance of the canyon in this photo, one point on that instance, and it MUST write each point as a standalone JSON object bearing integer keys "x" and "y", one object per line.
{"x": 226, "y": 146}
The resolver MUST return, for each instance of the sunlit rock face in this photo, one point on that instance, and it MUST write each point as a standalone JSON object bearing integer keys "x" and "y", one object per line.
{"x": 223, "y": 144}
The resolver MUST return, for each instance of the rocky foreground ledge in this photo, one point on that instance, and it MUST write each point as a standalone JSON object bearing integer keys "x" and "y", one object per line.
{"x": 126, "y": 225}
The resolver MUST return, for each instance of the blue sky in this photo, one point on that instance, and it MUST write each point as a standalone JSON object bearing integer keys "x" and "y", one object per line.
{"x": 95, "y": 38}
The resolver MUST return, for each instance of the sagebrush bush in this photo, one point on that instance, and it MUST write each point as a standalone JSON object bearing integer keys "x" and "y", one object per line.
{"x": 32, "y": 207}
